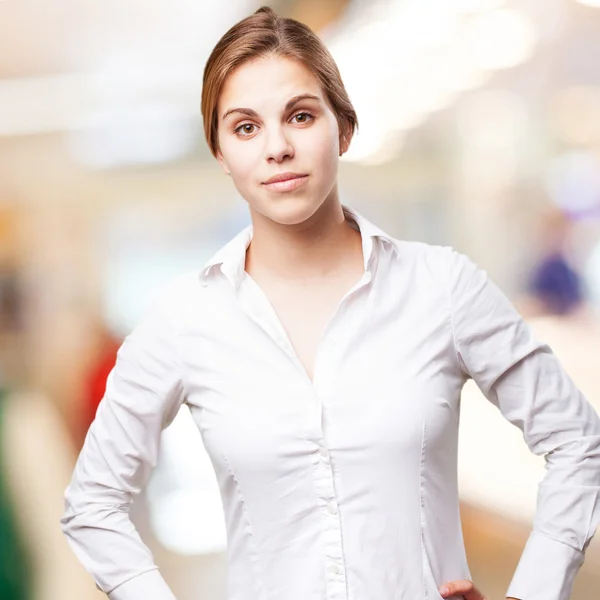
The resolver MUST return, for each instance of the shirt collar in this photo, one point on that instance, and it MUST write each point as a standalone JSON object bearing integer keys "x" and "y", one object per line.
{"x": 232, "y": 256}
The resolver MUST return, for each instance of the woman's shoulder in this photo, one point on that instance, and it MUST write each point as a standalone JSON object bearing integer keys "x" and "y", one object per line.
{"x": 172, "y": 296}
{"x": 178, "y": 286}
{"x": 439, "y": 260}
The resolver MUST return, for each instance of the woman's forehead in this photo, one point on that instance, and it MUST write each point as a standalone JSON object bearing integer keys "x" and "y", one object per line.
{"x": 267, "y": 83}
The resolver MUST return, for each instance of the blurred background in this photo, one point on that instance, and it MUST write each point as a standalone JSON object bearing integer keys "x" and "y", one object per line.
{"x": 479, "y": 128}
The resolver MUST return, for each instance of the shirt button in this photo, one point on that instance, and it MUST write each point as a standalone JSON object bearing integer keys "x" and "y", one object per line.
{"x": 331, "y": 508}
{"x": 323, "y": 451}
{"x": 334, "y": 569}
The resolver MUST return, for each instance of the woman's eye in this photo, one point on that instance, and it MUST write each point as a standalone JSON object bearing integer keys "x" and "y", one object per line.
{"x": 303, "y": 117}
{"x": 245, "y": 129}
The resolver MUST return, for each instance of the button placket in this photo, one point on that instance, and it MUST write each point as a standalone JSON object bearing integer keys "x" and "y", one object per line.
{"x": 332, "y": 531}
{"x": 323, "y": 386}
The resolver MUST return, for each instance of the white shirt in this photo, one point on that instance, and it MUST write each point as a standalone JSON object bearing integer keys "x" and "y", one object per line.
{"x": 344, "y": 488}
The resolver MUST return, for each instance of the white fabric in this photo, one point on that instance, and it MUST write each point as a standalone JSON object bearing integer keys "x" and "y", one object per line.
{"x": 344, "y": 488}
{"x": 148, "y": 585}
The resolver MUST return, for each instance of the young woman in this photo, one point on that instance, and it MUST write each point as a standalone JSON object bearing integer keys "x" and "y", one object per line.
{"x": 323, "y": 362}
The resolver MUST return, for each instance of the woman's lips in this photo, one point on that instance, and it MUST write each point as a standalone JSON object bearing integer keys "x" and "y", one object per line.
{"x": 286, "y": 186}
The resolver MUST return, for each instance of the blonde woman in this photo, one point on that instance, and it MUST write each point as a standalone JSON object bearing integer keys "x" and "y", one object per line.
{"x": 323, "y": 361}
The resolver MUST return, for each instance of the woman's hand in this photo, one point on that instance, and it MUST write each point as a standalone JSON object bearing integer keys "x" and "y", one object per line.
{"x": 466, "y": 588}
{"x": 461, "y": 587}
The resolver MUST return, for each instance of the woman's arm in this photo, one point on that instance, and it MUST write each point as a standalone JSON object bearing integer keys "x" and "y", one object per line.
{"x": 143, "y": 394}
{"x": 525, "y": 381}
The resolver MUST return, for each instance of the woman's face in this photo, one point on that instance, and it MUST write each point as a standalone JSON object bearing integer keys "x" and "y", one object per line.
{"x": 273, "y": 120}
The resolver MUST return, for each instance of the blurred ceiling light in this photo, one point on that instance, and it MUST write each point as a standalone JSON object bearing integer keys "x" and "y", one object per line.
{"x": 136, "y": 115}
{"x": 467, "y": 6}
{"x": 435, "y": 95}
{"x": 406, "y": 59}
{"x": 139, "y": 134}
{"x": 175, "y": 33}
{"x": 155, "y": 52}
{"x": 492, "y": 120}
{"x": 354, "y": 54}
{"x": 456, "y": 72}
{"x": 41, "y": 104}
{"x": 370, "y": 139}
{"x": 500, "y": 39}
{"x": 86, "y": 101}
{"x": 575, "y": 114}
{"x": 407, "y": 119}
{"x": 422, "y": 23}
{"x": 406, "y": 103}
{"x": 593, "y": 3}
{"x": 387, "y": 149}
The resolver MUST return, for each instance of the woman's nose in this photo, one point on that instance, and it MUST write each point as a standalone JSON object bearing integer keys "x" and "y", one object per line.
{"x": 278, "y": 147}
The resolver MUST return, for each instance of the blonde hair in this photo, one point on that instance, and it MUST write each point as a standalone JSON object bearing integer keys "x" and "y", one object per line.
{"x": 257, "y": 36}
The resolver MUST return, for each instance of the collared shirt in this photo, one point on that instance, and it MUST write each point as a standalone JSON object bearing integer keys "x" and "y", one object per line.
{"x": 343, "y": 487}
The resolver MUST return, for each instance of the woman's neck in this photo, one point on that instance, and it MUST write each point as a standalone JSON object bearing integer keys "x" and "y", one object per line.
{"x": 321, "y": 246}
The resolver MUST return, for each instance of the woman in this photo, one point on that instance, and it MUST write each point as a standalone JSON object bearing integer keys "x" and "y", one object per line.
{"x": 322, "y": 361}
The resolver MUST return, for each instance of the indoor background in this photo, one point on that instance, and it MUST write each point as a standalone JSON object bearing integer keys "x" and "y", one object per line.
{"x": 479, "y": 128}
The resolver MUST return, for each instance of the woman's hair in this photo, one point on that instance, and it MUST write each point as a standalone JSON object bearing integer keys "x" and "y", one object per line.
{"x": 259, "y": 35}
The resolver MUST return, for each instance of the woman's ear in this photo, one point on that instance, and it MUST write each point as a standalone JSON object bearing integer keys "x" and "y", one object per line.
{"x": 344, "y": 144}
{"x": 222, "y": 163}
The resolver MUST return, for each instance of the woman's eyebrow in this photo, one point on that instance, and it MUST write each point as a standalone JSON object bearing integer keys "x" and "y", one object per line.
{"x": 293, "y": 101}
{"x": 289, "y": 105}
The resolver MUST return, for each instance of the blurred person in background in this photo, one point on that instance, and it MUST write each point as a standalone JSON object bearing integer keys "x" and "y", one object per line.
{"x": 15, "y": 564}
{"x": 323, "y": 360}
{"x": 15, "y": 560}
{"x": 94, "y": 384}
{"x": 35, "y": 465}
{"x": 555, "y": 285}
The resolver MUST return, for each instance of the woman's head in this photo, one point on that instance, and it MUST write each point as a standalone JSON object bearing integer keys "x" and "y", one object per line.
{"x": 273, "y": 102}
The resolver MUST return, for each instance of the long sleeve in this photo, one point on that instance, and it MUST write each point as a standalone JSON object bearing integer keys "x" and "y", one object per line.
{"x": 143, "y": 394}
{"x": 524, "y": 380}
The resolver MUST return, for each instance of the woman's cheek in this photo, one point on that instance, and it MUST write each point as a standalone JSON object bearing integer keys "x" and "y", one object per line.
{"x": 330, "y": 142}
{"x": 243, "y": 160}
{"x": 327, "y": 155}
{"x": 313, "y": 150}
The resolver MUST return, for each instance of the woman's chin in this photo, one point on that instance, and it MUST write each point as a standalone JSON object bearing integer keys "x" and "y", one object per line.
{"x": 290, "y": 210}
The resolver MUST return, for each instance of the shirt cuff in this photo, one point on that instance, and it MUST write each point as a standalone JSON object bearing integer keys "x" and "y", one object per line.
{"x": 147, "y": 586}
{"x": 546, "y": 570}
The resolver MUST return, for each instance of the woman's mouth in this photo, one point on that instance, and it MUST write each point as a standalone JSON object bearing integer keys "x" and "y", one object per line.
{"x": 286, "y": 184}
